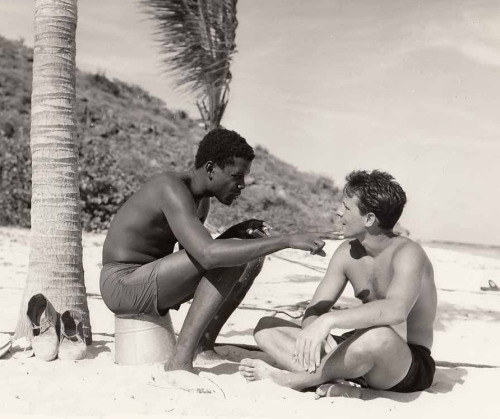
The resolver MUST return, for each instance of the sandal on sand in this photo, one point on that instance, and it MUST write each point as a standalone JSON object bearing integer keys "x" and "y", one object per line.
{"x": 45, "y": 324}
{"x": 491, "y": 286}
{"x": 339, "y": 388}
{"x": 21, "y": 348}
{"x": 72, "y": 345}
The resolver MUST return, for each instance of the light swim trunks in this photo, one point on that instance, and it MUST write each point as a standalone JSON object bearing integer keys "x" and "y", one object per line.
{"x": 131, "y": 288}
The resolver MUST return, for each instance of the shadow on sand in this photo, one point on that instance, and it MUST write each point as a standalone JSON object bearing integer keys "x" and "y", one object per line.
{"x": 448, "y": 312}
{"x": 98, "y": 347}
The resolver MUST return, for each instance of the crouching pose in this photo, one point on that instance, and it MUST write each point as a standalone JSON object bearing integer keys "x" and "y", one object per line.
{"x": 389, "y": 346}
{"x": 141, "y": 273}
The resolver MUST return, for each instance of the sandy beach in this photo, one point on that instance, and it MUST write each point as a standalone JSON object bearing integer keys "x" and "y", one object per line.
{"x": 466, "y": 348}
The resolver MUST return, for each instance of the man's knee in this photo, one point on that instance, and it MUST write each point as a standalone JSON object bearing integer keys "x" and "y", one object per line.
{"x": 374, "y": 340}
{"x": 265, "y": 323}
{"x": 270, "y": 328}
{"x": 265, "y": 328}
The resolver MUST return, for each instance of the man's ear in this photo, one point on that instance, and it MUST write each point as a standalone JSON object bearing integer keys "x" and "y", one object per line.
{"x": 371, "y": 219}
{"x": 209, "y": 166}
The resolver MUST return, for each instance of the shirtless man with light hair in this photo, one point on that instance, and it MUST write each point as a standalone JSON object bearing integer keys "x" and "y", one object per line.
{"x": 389, "y": 347}
{"x": 142, "y": 273}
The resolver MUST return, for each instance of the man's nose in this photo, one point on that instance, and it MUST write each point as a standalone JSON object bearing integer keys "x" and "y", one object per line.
{"x": 339, "y": 213}
{"x": 241, "y": 185}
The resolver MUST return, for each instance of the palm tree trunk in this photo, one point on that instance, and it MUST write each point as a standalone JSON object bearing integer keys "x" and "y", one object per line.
{"x": 55, "y": 261}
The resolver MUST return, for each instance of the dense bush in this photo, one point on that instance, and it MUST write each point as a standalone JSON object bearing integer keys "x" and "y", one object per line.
{"x": 125, "y": 136}
{"x": 15, "y": 157}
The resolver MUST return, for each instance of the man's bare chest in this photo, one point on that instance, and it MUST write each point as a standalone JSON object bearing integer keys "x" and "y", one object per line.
{"x": 370, "y": 279}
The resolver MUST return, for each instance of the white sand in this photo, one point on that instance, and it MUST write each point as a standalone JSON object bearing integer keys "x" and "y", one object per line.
{"x": 466, "y": 346}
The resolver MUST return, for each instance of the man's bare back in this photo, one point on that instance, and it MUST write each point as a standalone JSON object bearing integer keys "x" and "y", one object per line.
{"x": 370, "y": 277}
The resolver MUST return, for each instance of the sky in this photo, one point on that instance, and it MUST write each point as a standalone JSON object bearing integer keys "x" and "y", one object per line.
{"x": 411, "y": 87}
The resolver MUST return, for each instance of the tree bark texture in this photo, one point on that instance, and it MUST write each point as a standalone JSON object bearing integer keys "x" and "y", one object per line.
{"x": 55, "y": 261}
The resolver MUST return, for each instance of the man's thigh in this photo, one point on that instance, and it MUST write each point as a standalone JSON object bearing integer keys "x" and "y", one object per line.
{"x": 178, "y": 276}
{"x": 390, "y": 354}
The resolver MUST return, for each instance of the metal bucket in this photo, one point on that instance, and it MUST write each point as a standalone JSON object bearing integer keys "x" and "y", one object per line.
{"x": 143, "y": 339}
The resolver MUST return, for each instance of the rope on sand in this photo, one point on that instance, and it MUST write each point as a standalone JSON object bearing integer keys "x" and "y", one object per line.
{"x": 305, "y": 265}
{"x": 274, "y": 311}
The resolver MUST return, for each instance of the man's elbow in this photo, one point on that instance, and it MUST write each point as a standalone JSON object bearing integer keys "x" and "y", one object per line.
{"x": 398, "y": 314}
{"x": 208, "y": 260}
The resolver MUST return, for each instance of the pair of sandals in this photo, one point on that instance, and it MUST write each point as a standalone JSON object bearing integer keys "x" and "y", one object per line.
{"x": 55, "y": 335}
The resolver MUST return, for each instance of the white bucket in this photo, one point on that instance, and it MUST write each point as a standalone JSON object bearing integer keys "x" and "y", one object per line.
{"x": 143, "y": 339}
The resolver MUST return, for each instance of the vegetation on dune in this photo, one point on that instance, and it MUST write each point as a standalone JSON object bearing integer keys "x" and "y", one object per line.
{"x": 126, "y": 136}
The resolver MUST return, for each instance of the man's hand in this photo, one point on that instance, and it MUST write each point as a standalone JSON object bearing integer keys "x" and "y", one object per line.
{"x": 312, "y": 242}
{"x": 249, "y": 229}
{"x": 309, "y": 342}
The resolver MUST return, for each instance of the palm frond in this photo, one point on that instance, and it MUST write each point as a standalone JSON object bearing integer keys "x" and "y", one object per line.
{"x": 197, "y": 39}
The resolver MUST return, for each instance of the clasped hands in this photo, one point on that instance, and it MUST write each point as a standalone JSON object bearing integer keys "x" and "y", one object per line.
{"x": 309, "y": 343}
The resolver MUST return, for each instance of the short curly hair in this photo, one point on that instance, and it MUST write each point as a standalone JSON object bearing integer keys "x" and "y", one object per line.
{"x": 221, "y": 146}
{"x": 379, "y": 193}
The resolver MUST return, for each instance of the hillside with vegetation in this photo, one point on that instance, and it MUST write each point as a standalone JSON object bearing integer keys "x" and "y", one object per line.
{"x": 126, "y": 136}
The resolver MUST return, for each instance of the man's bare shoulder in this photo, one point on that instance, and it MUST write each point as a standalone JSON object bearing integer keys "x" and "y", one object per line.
{"x": 409, "y": 245}
{"x": 408, "y": 249}
{"x": 351, "y": 249}
{"x": 348, "y": 251}
{"x": 169, "y": 185}
{"x": 166, "y": 179}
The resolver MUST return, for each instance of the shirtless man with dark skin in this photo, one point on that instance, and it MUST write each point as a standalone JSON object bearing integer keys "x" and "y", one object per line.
{"x": 389, "y": 347}
{"x": 143, "y": 274}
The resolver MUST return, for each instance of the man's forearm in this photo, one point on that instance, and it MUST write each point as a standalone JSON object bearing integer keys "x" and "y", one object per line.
{"x": 234, "y": 252}
{"x": 306, "y": 321}
{"x": 309, "y": 316}
{"x": 375, "y": 313}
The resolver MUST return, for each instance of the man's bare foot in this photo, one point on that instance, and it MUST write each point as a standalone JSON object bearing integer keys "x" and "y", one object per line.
{"x": 339, "y": 388}
{"x": 256, "y": 369}
{"x": 209, "y": 356}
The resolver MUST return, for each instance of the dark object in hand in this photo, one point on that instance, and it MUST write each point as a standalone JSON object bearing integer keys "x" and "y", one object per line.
{"x": 249, "y": 229}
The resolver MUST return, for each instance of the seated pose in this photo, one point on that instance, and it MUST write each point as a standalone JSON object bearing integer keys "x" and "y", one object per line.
{"x": 389, "y": 347}
{"x": 141, "y": 273}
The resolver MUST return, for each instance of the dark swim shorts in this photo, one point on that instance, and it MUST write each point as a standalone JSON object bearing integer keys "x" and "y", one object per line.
{"x": 420, "y": 374}
{"x": 131, "y": 288}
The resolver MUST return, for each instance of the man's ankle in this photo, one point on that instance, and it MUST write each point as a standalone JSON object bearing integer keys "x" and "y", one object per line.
{"x": 174, "y": 365}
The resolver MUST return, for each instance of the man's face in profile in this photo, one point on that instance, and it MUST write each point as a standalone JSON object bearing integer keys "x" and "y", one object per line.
{"x": 351, "y": 221}
{"x": 228, "y": 182}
